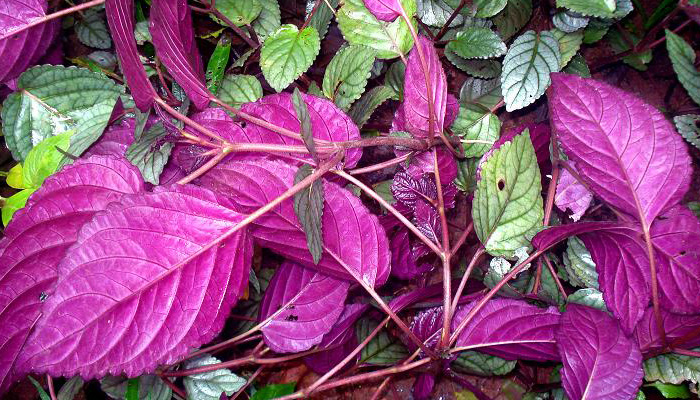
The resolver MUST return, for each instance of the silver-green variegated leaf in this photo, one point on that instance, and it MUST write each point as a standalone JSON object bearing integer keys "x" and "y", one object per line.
{"x": 347, "y": 74}
{"x": 383, "y": 349}
{"x": 689, "y": 127}
{"x": 526, "y": 68}
{"x": 578, "y": 66}
{"x": 92, "y": 30}
{"x": 475, "y": 42}
{"x": 499, "y": 267}
{"x": 269, "y": 19}
{"x": 150, "y": 153}
{"x": 673, "y": 368}
{"x": 210, "y": 385}
{"x": 363, "y": 108}
{"x": 54, "y": 99}
{"x": 323, "y": 15}
{"x": 482, "y": 92}
{"x": 683, "y": 58}
{"x": 588, "y": 297}
{"x": 436, "y": 12}
{"x": 238, "y": 89}
{"x": 475, "y": 363}
{"x": 151, "y": 387}
{"x": 513, "y": 17}
{"x": 287, "y": 54}
{"x": 488, "y": 8}
{"x": 579, "y": 264}
{"x": 240, "y": 12}
{"x": 478, "y": 129}
{"x": 142, "y": 33}
{"x": 569, "y": 21}
{"x": 596, "y": 8}
{"x": 507, "y": 207}
{"x": 485, "y": 69}
{"x": 388, "y": 39}
{"x": 569, "y": 44}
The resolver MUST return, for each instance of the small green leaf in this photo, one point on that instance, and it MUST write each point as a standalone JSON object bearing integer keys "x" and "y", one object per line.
{"x": 347, "y": 74}
{"x": 394, "y": 79}
{"x": 274, "y": 391}
{"x": 488, "y": 8}
{"x": 132, "y": 389}
{"x": 151, "y": 387}
{"x": 42, "y": 393}
{"x": 569, "y": 44}
{"x": 150, "y": 153}
{"x": 578, "y": 66}
{"x": 569, "y": 21}
{"x": 238, "y": 89}
{"x": 44, "y": 159}
{"x": 475, "y": 42}
{"x": 308, "y": 206}
{"x": 269, "y": 19}
{"x": 481, "y": 92}
{"x": 466, "y": 175}
{"x": 359, "y": 26}
{"x": 683, "y": 59}
{"x": 478, "y": 129}
{"x": 383, "y": 349}
{"x": 14, "y": 177}
{"x": 485, "y": 69}
{"x": 302, "y": 111}
{"x": 217, "y": 63}
{"x": 596, "y": 8}
{"x": 240, "y": 12}
{"x": 475, "y": 363}
{"x": 323, "y": 16}
{"x": 618, "y": 43}
{"x": 240, "y": 61}
{"x": 549, "y": 290}
{"x": 670, "y": 391}
{"x": 688, "y": 126}
{"x": 141, "y": 33}
{"x": 672, "y": 368}
{"x": 315, "y": 90}
{"x": 596, "y": 30}
{"x": 436, "y": 12}
{"x": 362, "y": 110}
{"x": 513, "y": 17}
{"x": 210, "y": 385}
{"x": 588, "y": 297}
{"x": 526, "y": 68}
{"x": 70, "y": 389}
{"x": 92, "y": 30}
{"x": 579, "y": 264}
{"x": 507, "y": 207}
{"x": 13, "y": 203}
{"x": 694, "y": 206}
{"x": 287, "y": 54}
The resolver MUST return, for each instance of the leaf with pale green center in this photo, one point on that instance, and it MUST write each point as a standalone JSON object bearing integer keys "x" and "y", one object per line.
{"x": 383, "y": 349}
{"x": 238, "y": 89}
{"x": 240, "y": 12}
{"x": 578, "y": 66}
{"x": 92, "y": 30}
{"x": 287, "y": 54}
{"x": 588, "y": 297}
{"x": 347, "y": 74}
{"x": 388, "y": 39}
{"x": 683, "y": 58}
{"x": 596, "y": 8}
{"x": 579, "y": 264}
{"x": 569, "y": 44}
{"x": 362, "y": 110}
{"x": 475, "y": 42}
{"x": 150, "y": 153}
{"x": 507, "y": 207}
{"x": 478, "y": 128}
{"x": 269, "y": 19}
{"x": 323, "y": 16}
{"x": 482, "y": 92}
{"x": 44, "y": 159}
{"x": 526, "y": 68}
{"x": 54, "y": 99}
{"x": 485, "y": 69}
{"x": 488, "y": 8}
{"x": 308, "y": 207}
{"x": 569, "y": 21}
{"x": 513, "y": 17}
{"x": 689, "y": 127}
{"x": 210, "y": 385}
{"x": 673, "y": 368}
{"x": 475, "y": 363}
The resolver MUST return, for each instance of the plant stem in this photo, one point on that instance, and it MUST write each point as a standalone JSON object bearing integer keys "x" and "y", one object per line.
{"x": 685, "y": 352}
{"x": 50, "y": 17}
{"x": 555, "y": 277}
{"x": 381, "y": 165}
{"x": 452, "y": 16}
{"x": 174, "y": 387}
{"x": 465, "y": 277}
{"x": 248, "y": 383}
{"x": 211, "y": 8}
{"x": 187, "y": 121}
{"x": 52, "y": 391}
{"x": 654, "y": 283}
{"x": 446, "y": 255}
{"x": 462, "y": 238}
{"x": 204, "y": 168}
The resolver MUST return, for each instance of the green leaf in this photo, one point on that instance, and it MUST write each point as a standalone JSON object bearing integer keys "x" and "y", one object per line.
{"x": 347, "y": 74}
{"x": 269, "y": 19}
{"x": 274, "y": 391}
{"x": 485, "y": 93}
{"x": 132, "y": 389}
{"x": 42, "y": 393}
{"x": 579, "y": 264}
{"x": 688, "y": 126}
{"x": 596, "y": 8}
{"x": 44, "y": 159}
{"x": 670, "y": 391}
{"x": 569, "y": 21}
{"x": 466, "y": 175}
{"x": 499, "y": 267}
{"x": 578, "y": 66}
{"x": 507, "y": 207}
{"x": 475, "y": 363}
{"x": 287, "y": 54}
{"x": 513, "y": 17}
{"x": 54, "y": 99}
{"x": 694, "y": 206}
{"x": 14, "y": 177}
{"x": 240, "y": 12}
{"x": 217, "y": 63}
{"x": 488, "y": 8}
{"x": 362, "y": 110}
{"x": 548, "y": 291}
{"x": 70, "y": 389}
{"x": 588, "y": 297}
{"x": 394, "y": 79}
{"x": 596, "y": 30}
{"x": 92, "y": 30}
{"x": 323, "y": 16}
{"x": 672, "y": 368}
{"x": 315, "y": 90}
{"x": 210, "y": 385}
{"x": 150, "y": 153}
{"x": 141, "y": 33}
{"x": 151, "y": 387}
{"x": 683, "y": 59}
{"x": 383, "y": 349}
{"x": 306, "y": 133}
{"x": 618, "y": 43}
{"x": 485, "y": 69}
{"x": 238, "y": 89}
{"x": 308, "y": 206}
{"x": 477, "y": 42}
{"x": 14, "y": 203}
{"x": 436, "y": 12}
{"x": 475, "y": 124}
{"x": 388, "y": 39}
{"x": 569, "y": 44}
{"x": 240, "y": 61}
{"x": 526, "y": 68}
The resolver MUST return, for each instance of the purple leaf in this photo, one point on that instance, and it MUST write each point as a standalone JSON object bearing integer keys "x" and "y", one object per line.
{"x": 676, "y": 238}
{"x": 423, "y": 386}
{"x": 527, "y": 330}
{"x": 424, "y": 163}
{"x": 121, "y": 307}
{"x": 352, "y": 236}
{"x": 600, "y": 362}
{"x": 19, "y": 51}
{"x": 339, "y": 342}
{"x": 572, "y": 195}
{"x": 310, "y": 303}
{"x": 451, "y": 110}
{"x": 427, "y": 220}
{"x": 114, "y": 141}
{"x": 38, "y": 237}
{"x": 416, "y": 93}
{"x": 676, "y": 327}
{"x": 173, "y": 38}
{"x": 625, "y": 150}
{"x": 120, "y": 17}
{"x": 403, "y": 265}
{"x": 425, "y": 325}
{"x": 384, "y": 10}
{"x": 549, "y": 237}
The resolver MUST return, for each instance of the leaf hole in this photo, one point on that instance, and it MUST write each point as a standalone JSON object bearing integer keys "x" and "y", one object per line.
{"x": 291, "y": 317}
{"x": 243, "y": 124}
{"x": 501, "y": 184}
{"x": 682, "y": 253}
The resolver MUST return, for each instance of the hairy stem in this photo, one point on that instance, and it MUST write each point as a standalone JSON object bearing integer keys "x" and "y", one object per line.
{"x": 50, "y": 17}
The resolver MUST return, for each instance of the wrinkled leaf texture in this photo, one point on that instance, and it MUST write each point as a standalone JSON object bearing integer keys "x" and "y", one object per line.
{"x": 684, "y": 328}
{"x": 572, "y": 195}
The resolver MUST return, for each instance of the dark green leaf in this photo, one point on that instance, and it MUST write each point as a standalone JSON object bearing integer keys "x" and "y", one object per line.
{"x": 475, "y": 363}
{"x": 217, "y": 63}
{"x": 485, "y": 69}
{"x": 269, "y": 19}
{"x": 347, "y": 74}
{"x": 362, "y": 110}
{"x": 302, "y": 111}
{"x": 274, "y": 391}
{"x": 513, "y": 18}
{"x": 322, "y": 18}
{"x": 240, "y": 12}
{"x": 683, "y": 59}
{"x": 383, "y": 349}
{"x": 670, "y": 391}
{"x": 150, "y": 153}
{"x": 92, "y": 30}
{"x": 596, "y": 8}
{"x": 42, "y": 393}
{"x": 132, "y": 389}
{"x": 588, "y": 297}
{"x": 475, "y": 42}
{"x": 672, "y": 368}
{"x": 578, "y": 66}
{"x": 308, "y": 206}
{"x": 689, "y": 127}
{"x": 70, "y": 389}
{"x": 394, "y": 79}
{"x": 481, "y": 92}
{"x": 238, "y": 89}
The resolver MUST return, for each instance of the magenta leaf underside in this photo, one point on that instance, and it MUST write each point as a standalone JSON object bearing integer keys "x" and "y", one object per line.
{"x": 685, "y": 328}
{"x": 572, "y": 195}
{"x": 384, "y": 10}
